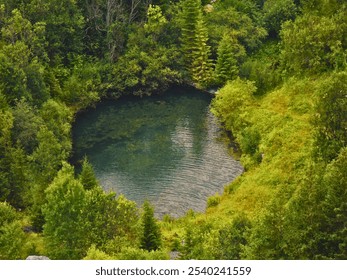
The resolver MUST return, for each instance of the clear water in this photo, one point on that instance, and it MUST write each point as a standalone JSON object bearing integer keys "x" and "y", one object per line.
{"x": 165, "y": 149}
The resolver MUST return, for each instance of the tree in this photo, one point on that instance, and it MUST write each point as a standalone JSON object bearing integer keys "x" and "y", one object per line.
{"x": 201, "y": 67}
{"x": 155, "y": 20}
{"x": 267, "y": 240}
{"x": 22, "y": 67}
{"x": 228, "y": 53}
{"x": 315, "y": 219}
{"x": 26, "y": 125}
{"x": 6, "y": 124}
{"x": 334, "y": 206}
{"x": 243, "y": 24}
{"x": 232, "y": 238}
{"x": 231, "y": 101}
{"x": 12, "y": 237}
{"x": 103, "y": 220}
{"x": 313, "y": 44}
{"x": 87, "y": 176}
{"x": 151, "y": 235}
{"x": 45, "y": 162}
{"x": 57, "y": 117}
{"x": 64, "y": 24}
{"x": 277, "y": 12}
{"x": 331, "y": 120}
{"x": 64, "y": 229}
{"x": 194, "y": 45}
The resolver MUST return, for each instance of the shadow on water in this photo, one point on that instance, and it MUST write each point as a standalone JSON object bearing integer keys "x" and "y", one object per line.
{"x": 161, "y": 148}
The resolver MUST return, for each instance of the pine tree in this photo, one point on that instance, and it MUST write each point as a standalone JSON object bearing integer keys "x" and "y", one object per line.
{"x": 194, "y": 45}
{"x": 201, "y": 68}
{"x": 87, "y": 176}
{"x": 226, "y": 65}
{"x": 190, "y": 13}
{"x": 151, "y": 236}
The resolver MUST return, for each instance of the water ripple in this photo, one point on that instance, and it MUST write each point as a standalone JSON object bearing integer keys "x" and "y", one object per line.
{"x": 163, "y": 149}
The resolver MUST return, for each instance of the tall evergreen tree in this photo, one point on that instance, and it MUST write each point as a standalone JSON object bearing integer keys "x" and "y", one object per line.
{"x": 194, "y": 42}
{"x": 87, "y": 176}
{"x": 151, "y": 236}
{"x": 201, "y": 68}
{"x": 226, "y": 65}
{"x": 190, "y": 13}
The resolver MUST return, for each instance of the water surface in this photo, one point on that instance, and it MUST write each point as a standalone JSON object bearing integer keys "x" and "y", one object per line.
{"x": 165, "y": 149}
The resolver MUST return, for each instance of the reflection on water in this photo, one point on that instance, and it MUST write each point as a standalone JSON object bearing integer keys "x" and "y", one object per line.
{"x": 164, "y": 149}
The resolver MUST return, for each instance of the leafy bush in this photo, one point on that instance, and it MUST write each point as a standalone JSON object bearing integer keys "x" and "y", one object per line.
{"x": 213, "y": 200}
{"x": 231, "y": 102}
{"x": 331, "y": 118}
{"x": 313, "y": 44}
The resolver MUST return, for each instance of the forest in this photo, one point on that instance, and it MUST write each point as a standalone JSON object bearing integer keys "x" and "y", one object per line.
{"x": 280, "y": 70}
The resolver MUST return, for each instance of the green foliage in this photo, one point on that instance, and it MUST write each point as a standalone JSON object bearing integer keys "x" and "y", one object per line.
{"x": 155, "y": 20}
{"x": 26, "y": 125}
{"x": 194, "y": 45}
{"x": 45, "y": 162}
{"x": 263, "y": 68}
{"x": 213, "y": 200}
{"x": 13, "y": 165}
{"x": 267, "y": 238}
{"x": 83, "y": 87}
{"x": 335, "y": 209}
{"x": 46, "y": 158}
{"x": 140, "y": 254}
{"x": 226, "y": 19}
{"x": 64, "y": 24}
{"x": 151, "y": 235}
{"x": 198, "y": 241}
{"x": 58, "y": 57}
{"x": 94, "y": 254}
{"x": 6, "y": 123}
{"x": 94, "y": 218}
{"x": 231, "y": 101}
{"x": 249, "y": 141}
{"x": 331, "y": 119}
{"x": 232, "y": 238}
{"x": 277, "y": 12}
{"x": 57, "y": 117}
{"x": 144, "y": 69}
{"x": 65, "y": 198}
{"x": 229, "y": 54}
{"x": 21, "y": 70}
{"x": 112, "y": 223}
{"x": 8, "y": 213}
{"x": 314, "y": 44}
{"x": 316, "y": 218}
{"x": 87, "y": 176}
{"x": 12, "y": 237}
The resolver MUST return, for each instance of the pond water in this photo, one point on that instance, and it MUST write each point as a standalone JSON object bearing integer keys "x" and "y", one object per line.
{"x": 166, "y": 149}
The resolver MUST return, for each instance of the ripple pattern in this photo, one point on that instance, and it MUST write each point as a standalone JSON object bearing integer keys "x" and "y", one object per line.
{"x": 164, "y": 149}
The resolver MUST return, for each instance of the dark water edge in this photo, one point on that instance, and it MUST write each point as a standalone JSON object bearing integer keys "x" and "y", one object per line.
{"x": 163, "y": 148}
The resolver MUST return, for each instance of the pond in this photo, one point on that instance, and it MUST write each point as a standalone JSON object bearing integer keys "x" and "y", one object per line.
{"x": 166, "y": 149}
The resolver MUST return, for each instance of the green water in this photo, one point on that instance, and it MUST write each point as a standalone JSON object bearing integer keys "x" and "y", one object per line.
{"x": 163, "y": 148}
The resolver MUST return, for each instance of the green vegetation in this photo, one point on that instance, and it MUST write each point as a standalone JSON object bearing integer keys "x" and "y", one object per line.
{"x": 280, "y": 70}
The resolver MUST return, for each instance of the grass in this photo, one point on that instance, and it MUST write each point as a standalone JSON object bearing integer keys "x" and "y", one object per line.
{"x": 283, "y": 118}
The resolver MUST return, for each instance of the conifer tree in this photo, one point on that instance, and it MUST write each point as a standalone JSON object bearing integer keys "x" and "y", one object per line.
{"x": 226, "y": 65}
{"x": 190, "y": 13}
{"x": 87, "y": 176}
{"x": 201, "y": 68}
{"x": 151, "y": 236}
{"x": 194, "y": 42}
